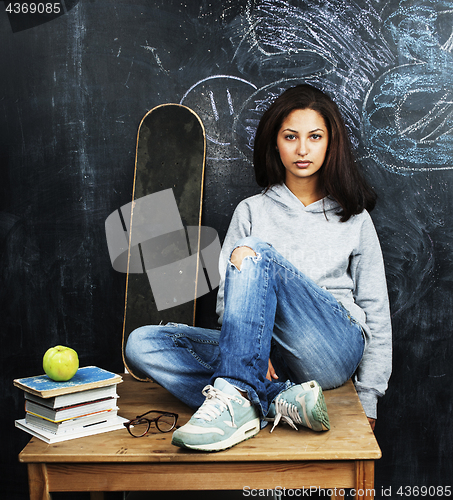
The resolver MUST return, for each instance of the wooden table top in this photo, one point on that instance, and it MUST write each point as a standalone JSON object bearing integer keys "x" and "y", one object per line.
{"x": 350, "y": 436}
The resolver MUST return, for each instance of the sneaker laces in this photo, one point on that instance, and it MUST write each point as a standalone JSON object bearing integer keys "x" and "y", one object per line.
{"x": 215, "y": 403}
{"x": 287, "y": 413}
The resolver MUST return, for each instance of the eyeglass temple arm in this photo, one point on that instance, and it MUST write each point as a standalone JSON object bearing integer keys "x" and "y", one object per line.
{"x": 158, "y": 411}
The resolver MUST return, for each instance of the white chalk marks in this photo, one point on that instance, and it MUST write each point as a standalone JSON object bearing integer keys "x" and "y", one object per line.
{"x": 408, "y": 111}
{"x": 216, "y": 100}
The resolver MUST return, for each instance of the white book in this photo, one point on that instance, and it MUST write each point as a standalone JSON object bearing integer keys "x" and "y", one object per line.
{"x": 69, "y": 412}
{"x": 51, "y": 438}
{"x": 72, "y": 425}
{"x": 74, "y": 398}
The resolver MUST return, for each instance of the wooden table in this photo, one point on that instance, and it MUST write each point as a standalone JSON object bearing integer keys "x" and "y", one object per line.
{"x": 340, "y": 458}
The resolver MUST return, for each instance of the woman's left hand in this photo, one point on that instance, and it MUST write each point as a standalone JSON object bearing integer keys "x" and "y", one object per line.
{"x": 271, "y": 372}
{"x": 372, "y": 422}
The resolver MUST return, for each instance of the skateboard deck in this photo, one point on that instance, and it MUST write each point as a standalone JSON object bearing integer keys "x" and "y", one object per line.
{"x": 169, "y": 166}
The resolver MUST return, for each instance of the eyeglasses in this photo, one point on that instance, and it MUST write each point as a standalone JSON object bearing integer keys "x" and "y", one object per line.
{"x": 139, "y": 426}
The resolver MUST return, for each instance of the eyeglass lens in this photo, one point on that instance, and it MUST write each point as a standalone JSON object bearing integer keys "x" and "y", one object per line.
{"x": 139, "y": 427}
{"x": 165, "y": 423}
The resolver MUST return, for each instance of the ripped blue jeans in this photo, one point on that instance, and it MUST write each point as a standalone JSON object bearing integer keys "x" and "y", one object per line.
{"x": 272, "y": 311}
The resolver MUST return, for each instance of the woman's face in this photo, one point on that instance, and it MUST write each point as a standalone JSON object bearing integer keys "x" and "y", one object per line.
{"x": 302, "y": 143}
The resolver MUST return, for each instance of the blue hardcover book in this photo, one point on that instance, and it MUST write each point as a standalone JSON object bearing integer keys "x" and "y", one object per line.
{"x": 88, "y": 377}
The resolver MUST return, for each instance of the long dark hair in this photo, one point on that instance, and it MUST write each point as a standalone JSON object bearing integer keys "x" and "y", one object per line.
{"x": 340, "y": 177}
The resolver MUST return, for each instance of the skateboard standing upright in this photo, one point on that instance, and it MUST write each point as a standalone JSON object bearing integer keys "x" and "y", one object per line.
{"x": 169, "y": 164}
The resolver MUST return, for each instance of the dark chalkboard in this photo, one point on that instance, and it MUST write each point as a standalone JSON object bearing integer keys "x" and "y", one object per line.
{"x": 74, "y": 88}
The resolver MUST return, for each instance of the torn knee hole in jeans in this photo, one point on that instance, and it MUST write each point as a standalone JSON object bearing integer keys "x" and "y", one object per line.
{"x": 237, "y": 261}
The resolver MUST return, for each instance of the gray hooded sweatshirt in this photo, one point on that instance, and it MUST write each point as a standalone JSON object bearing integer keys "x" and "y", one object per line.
{"x": 344, "y": 258}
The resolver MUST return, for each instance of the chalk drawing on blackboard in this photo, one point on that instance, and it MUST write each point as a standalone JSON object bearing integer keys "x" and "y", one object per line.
{"x": 408, "y": 120}
{"x": 215, "y": 99}
{"x": 408, "y": 111}
{"x": 153, "y": 51}
{"x": 421, "y": 30}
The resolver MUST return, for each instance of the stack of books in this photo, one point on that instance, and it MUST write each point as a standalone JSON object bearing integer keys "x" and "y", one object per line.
{"x": 82, "y": 406}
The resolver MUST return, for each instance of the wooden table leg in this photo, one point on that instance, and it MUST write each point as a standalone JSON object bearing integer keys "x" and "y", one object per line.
{"x": 38, "y": 482}
{"x": 365, "y": 479}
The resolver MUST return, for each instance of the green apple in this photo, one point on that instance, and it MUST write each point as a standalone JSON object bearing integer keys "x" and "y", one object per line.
{"x": 60, "y": 363}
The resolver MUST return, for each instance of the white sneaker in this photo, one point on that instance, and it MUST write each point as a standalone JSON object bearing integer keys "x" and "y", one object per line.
{"x": 223, "y": 420}
{"x": 302, "y": 404}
